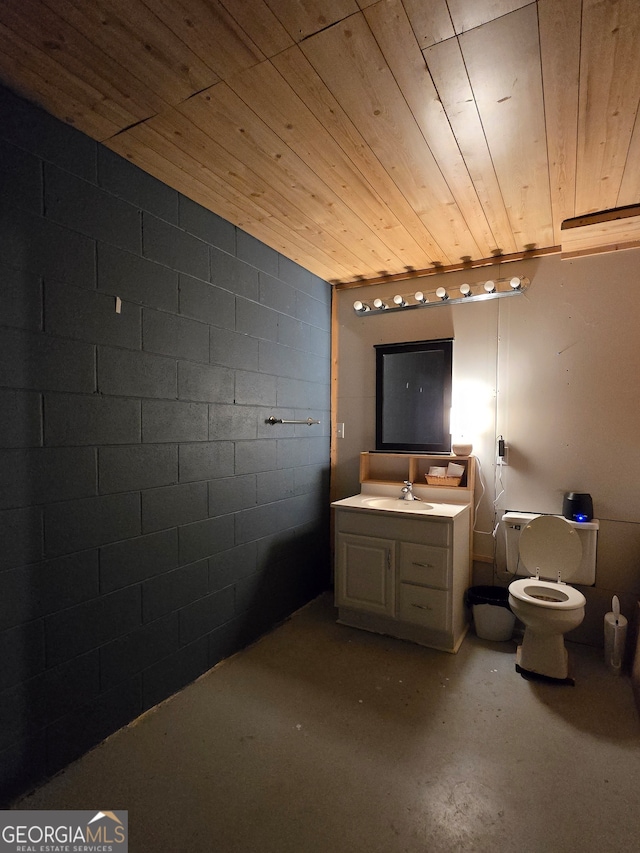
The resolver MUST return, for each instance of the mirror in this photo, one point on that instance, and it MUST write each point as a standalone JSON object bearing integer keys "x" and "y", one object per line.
{"x": 413, "y": 396}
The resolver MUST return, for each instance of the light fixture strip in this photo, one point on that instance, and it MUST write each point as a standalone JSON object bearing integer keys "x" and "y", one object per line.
{"x": 476, "y": 292}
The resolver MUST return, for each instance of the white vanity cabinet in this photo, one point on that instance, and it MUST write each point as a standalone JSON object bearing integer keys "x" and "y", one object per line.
{"x": 403, "y": 575}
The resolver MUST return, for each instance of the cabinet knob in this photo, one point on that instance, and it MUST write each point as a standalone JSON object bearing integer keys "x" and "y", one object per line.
{"x": 423, "y": 565}
{"x": 421, "y": 606}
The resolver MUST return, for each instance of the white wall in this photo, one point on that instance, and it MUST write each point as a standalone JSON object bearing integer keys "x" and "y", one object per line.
{"x": 558, "y": 369}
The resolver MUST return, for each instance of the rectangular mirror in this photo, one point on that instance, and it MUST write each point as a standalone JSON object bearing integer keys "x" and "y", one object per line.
{"x": 413, "y": 396}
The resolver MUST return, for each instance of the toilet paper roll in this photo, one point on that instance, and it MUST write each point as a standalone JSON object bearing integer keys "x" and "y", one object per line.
{"x": 615, "y": 637}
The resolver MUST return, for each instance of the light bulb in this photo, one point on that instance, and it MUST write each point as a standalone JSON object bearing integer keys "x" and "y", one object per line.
{"x": 441, "y": 293}
{"x": 420, "y": 297}
{"x": 515, "y": 283}
{"x": 378, "y": 303}
{"x": 360, "y": 306}
{"x": 399, "y": 301}
{"x": 490, "y": 286}
{"x": 465, "y": 290}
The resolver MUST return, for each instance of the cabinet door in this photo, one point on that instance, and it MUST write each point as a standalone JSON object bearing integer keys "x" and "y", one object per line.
{"x": 364, "y": 573}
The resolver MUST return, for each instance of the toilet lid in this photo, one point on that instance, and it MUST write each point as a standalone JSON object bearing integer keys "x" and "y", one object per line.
{"x": 551, "y": 544}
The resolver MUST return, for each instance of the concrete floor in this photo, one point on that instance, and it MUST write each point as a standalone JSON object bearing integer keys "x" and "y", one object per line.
{"x": 324, "y": 739}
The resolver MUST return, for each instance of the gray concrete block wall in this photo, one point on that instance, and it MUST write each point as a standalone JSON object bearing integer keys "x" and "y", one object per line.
{"x": 151, "y": 521}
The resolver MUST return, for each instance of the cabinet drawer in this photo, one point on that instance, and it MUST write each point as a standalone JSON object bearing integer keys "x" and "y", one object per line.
{"x": 366, "y": 522}
{"x": 424, "y": 564}
{"x": 423, "y": 606}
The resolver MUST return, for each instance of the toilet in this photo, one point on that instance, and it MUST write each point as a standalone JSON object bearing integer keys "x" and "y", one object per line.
{"x": 549, "y": 551}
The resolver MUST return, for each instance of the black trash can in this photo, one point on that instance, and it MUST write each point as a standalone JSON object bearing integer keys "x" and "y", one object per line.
{"x": 492, "y": 615}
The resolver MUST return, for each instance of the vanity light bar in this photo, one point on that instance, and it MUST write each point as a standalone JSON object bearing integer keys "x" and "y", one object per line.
{"x": 491, "y": 289}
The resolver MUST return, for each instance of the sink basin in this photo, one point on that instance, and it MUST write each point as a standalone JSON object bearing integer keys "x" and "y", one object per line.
{"x": 392, "y": 504}
{"x": 397, "y": 504}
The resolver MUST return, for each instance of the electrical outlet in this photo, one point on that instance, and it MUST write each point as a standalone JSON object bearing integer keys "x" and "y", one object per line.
{"x": 504, "y": 459}
{"x": 339, "y": 430}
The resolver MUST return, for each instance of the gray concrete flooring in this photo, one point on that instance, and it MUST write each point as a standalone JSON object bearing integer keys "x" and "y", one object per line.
{"x": 324, "y": 739}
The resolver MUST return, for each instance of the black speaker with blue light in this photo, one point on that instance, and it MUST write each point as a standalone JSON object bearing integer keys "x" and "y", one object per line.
{"x": 577, "y": 506}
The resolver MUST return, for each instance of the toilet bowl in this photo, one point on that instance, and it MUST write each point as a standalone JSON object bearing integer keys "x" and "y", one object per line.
{"x": 550, "y": 549}
{"x": 548, "y": 610}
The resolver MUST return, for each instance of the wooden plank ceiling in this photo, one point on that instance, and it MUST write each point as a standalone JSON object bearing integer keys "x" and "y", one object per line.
{"x": 358, "y": 138}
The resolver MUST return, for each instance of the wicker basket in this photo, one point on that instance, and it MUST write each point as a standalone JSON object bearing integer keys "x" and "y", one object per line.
{"x": 442, "y": 481}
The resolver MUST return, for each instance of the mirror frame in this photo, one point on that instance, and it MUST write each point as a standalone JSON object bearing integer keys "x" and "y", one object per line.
{"x": 423, "y": 443}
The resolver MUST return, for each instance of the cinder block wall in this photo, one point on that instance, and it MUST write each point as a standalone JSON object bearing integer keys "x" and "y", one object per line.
{"x": 151, "y": 522}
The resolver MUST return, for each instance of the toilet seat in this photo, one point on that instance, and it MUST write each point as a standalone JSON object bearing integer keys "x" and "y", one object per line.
{"x": 553, "y": 596}
{"x": 550, "y": 546}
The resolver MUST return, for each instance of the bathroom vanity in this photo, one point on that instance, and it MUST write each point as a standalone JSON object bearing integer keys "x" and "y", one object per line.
{"x": 402, "y": 567}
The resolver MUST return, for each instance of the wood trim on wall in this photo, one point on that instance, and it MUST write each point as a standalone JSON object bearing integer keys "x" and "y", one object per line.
{"x": 603, "y": 231}
{"x": 333, "y": 451}
{"x": 439, "y": 270}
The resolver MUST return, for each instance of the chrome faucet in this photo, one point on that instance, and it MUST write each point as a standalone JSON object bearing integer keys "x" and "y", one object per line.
{"x": 407, "y": 492}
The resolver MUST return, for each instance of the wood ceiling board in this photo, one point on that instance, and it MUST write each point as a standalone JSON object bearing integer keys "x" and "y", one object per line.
{"x": 223, "y": 115}
{"x": 302, "y": 18}
{"x": 260, "y": 24}
{"x": 606, "y": 236}
{"x": 152, "y": 152}
{"x": 467, "y": 15}
{"x": 137, "y": 40}
{"x": 392, "y": 31}
{"x": 267, "y": 93}
{"x": 56, "y": 45}
{"x": 211, "y": 32}
{"x": 349, "y": 61}
{"x": 156, "y": 153}
{"x": 37, "y": 77}
{"x": 630, "y": 186}
{"x": 447, "y": 69}
{"x": 308, "y": 85}
{"x": 202, "y": 143}
{"x": 431, "y": 22}
{"x": 559, "y": 23}
{"x": 508, "y": 94}
{"x": 609, "y": 87}
{"x": 120, "y": 64}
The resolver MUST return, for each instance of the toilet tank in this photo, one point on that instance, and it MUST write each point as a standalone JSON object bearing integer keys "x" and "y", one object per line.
{"x": 515, "y": 522}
